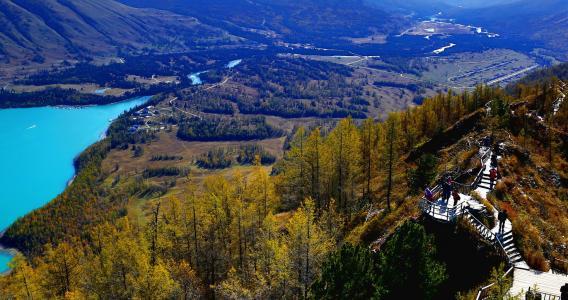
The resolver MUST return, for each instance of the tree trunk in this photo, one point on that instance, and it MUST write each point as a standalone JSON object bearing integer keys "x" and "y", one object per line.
{"x": 154, "y": 235}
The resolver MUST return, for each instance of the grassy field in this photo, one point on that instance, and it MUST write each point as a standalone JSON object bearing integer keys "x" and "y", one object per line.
{"x": 395, "y": 90}
{"x": 168, "y": 144}
{"x": 123, "y": 167}
{"x": 85, "y": 88}
{"x": 465, "y": 70}
{"x": 428, "y": 28}
{"x": 153, "y": 80}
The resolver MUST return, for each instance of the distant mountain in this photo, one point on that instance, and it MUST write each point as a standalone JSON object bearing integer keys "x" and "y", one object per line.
{"x": 49, "y": 30}
{"x": 414, "y": 7}
{"x": 544, "y": 21}
{"x": 321, "y": 22}
{"x": 478, "y": 3}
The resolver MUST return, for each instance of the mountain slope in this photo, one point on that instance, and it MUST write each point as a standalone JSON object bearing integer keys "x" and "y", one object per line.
{"x": 62, "y": 29}
{"x": 543, "y": 21}
{"x": 311, "y": 21}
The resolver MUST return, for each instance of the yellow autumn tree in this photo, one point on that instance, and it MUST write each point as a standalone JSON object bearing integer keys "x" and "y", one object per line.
{"x": 307, "y": 244}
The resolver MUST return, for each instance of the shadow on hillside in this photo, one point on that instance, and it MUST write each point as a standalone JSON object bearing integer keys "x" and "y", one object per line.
{"x": 468, "y": 260}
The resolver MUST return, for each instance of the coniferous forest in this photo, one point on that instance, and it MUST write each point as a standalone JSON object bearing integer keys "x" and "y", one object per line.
{"x": 286, "y": 234}
{"x": 284, "y": 149}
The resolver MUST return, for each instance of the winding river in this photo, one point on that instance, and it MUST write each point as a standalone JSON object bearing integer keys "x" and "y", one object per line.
{"x": 38, "y": 146}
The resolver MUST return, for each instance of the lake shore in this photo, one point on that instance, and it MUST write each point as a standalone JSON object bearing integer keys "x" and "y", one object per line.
{"x": 34, "y": 182}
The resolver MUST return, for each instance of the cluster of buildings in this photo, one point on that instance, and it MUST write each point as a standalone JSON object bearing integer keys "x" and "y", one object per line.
{"x": 142, "y": 116}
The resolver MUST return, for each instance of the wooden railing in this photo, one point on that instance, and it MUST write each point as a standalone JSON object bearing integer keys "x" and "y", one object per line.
{"x": 443, "y": 212}
{"x": 484, "y": 291}
{"x": 540, "y": 295}
{"x": 489, "y": 235}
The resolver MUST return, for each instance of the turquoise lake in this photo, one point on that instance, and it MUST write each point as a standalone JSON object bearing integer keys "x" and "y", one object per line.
{"x": 38, "y": 146}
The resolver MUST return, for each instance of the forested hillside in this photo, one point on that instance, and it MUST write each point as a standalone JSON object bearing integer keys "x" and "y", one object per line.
{"x": 42, "y": 33}
{"x": 285, "y": 231}
{"x": 324, "y": 23}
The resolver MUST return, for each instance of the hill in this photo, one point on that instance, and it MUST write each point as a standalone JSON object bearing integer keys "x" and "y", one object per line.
{"x": 543, "y": 21}
{"x": 44, "y": 32}
{"x": 559, "y": 71}
{"x": 319, "y": 22}
{"x": 141, "y": 197}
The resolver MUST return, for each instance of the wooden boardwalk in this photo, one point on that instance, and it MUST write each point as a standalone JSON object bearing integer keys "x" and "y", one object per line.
{"x": 547, "y": 284}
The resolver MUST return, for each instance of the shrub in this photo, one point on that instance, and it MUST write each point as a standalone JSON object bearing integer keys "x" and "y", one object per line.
{"x": 500, "y": 190}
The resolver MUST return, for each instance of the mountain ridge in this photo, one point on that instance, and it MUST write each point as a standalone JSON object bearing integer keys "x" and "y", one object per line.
{"x": 53, "y": 30}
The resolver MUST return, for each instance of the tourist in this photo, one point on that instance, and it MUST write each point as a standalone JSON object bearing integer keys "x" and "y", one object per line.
{"x": 492, "y": 177}
{"x": 446, "y": 190}
{"x": 494, "y": 160}
{"x": 487, "y": 142}
{"x": 564, "y": 292}
{"x": 456, "y": 196}
{"x": 502, "y": 216}
{"x": 428, "y": 194}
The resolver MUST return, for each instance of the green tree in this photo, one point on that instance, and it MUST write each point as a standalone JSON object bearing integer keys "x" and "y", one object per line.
{"x": 502, "y": 283}
{"x": 408, "y": 269}
{"x": 424, "y": 172}
{"x": 348, "y": 274}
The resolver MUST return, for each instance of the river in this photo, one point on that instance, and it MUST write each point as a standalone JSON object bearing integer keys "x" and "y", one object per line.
{"x": 38, "y": 146}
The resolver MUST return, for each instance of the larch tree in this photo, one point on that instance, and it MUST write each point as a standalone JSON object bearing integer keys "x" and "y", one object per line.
{"x": 60, "y": 269}
{"x": 390, "y": 154}
{"x": 369, "y": 145}
{"x": 22, "y": 282}
{"x": 313, "y": 154}
{"x": 346, "y": 156}
{"x": 308, "y": 244}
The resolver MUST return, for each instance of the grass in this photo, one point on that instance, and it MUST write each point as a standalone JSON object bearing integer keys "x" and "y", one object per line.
{"x": 170, "y": 145}
{"x": 477, "y": 67}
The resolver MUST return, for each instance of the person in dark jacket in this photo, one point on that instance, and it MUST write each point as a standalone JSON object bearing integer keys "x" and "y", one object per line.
{"x": 428, "y": 194}
{"x": 447, "y": 189}
{"x": 502, "y": 216}
{"x": 564, "y": 292}
{"x": 494, "y": 162}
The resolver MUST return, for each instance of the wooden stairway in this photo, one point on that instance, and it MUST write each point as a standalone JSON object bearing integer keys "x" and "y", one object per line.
{"x": 505, "y": 243}
{"x": 486, "y": 182}
{"x": 513, "y": 254}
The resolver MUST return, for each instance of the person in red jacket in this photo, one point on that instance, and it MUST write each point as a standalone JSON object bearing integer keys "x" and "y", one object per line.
{"x": 456, "y": 196}
{"x": 492, "y": 177}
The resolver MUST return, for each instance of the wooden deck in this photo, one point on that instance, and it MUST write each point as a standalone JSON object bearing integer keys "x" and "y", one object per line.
{"x": 546, "y": 283}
